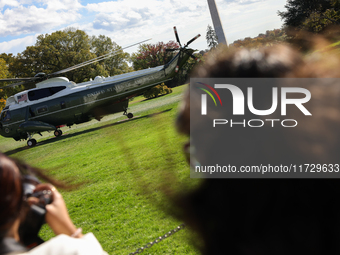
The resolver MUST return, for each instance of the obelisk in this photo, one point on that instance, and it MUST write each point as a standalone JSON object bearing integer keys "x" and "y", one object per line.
{"x": 217, "y": 22}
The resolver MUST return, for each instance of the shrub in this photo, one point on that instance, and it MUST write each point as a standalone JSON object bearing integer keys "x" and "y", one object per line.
{"x": 161, "y": 89}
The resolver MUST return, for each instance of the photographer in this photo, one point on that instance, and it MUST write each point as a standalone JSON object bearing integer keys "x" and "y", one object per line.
{"x": 14, "y": 208}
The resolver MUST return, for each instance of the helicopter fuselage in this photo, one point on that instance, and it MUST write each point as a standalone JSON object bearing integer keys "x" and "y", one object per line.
{"x": 57, "y": 101}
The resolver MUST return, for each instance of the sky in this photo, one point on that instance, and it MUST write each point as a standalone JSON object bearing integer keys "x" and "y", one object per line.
{"x": 130, "y": 21}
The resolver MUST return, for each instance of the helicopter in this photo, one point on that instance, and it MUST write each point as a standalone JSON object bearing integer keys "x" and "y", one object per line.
{"x": 58, "y": 102}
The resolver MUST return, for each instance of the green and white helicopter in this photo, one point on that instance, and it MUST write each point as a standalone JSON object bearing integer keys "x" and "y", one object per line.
{"x": 56, "y": 101}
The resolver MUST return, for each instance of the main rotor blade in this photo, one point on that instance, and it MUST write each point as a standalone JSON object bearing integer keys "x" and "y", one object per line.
{"x": 85, "y": 63}
{"x": 14, "y": 84}
{"x": 17, "y": 79}
{"x": 193, "y": 39}
{"x": 177, "y": 38}
{"x": 94, "y": 60}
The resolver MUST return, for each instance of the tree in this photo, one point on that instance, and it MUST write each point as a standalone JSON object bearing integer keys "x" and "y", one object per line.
{"x": 3, "y": 74}
{"x": 3, "y": 69}
{"x": 311, "y": 15}
{"x": 269, "y": 38}
{"x": 211, "y": 37}
{"x": 114, "y": 65}
{"x": 318, "y": 22}
{"x": 6, "y": 67}
{"x": 9, "y": 59}
{"x": 57, "y": 51}
{"x": 152, "y": 55}
{"x": 63, "y": 49}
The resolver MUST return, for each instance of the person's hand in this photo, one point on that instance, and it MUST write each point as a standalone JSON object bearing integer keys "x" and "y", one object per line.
{"x": 57, "y": 216}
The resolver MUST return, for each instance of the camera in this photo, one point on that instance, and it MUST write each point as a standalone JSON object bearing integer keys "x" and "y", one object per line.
{"x": 35, "y": 217}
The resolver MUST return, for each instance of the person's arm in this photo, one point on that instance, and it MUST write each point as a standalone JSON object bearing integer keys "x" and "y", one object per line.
{"x": 69, "y": 241}
{"x": 57, "y": 216}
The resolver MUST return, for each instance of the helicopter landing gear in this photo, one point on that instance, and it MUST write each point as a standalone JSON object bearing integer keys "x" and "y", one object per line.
{"x": 129, "y": 115}
{"x": 31, "y": 142}
{"x": 58, "y": 132}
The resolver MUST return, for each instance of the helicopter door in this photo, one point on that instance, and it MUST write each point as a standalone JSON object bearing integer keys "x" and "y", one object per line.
{"x": 32, "y": 114}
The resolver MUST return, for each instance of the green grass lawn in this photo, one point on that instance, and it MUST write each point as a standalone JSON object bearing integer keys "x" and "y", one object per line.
{"x": 123, "y": 166}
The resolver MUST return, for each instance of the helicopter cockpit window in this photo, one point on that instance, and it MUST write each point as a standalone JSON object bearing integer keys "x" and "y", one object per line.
{"x": 5, "y": 116}
{"x": 45, "y": 92}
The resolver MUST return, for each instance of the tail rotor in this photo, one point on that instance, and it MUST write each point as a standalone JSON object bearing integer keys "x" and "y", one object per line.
{"x": 186, "y": 45}
{"x": 182, "y": 48}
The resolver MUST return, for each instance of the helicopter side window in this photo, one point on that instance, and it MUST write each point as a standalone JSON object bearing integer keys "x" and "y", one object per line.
{"x": 5, "y": 116}
{"x": 45, "y": 92}
{"x": 57, "y": 89}
{"x": 42, "y": 109}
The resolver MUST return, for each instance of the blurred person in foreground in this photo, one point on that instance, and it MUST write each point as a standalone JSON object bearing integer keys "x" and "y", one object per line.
{"x": 269, "y": 216}
{"x": 14, "y": 208}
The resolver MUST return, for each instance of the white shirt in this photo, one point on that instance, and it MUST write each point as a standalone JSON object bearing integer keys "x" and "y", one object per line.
{"x": 66, "y": 245}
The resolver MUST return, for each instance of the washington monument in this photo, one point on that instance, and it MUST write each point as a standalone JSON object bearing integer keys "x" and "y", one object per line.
{"x": 217, "y": 22}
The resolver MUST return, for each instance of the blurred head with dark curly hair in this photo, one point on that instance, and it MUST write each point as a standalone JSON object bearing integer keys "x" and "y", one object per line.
{"x": 271, "y": 216}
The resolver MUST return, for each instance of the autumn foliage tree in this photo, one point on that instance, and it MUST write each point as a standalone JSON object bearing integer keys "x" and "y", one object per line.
{"x": 6, "y": 66}
{"x": 269, "y": 38}
{"x": 3, "y": 74}
{"x": 152, "y": 55}
{"x": 3, "y": 69}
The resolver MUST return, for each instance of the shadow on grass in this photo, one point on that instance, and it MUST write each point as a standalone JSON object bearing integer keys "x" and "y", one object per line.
{"x": 66, "y": 136}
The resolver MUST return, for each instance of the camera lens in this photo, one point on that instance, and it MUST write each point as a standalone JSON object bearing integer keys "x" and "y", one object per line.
{"x": 29, "y": 183}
